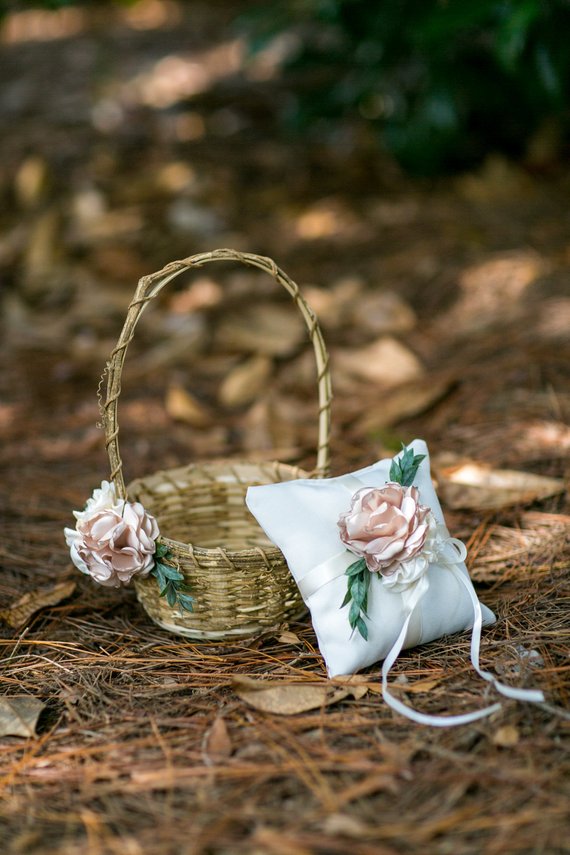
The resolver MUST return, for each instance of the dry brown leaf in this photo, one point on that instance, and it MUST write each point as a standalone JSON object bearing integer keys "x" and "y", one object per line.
{"x": 30, "y": 181}
{"x": 19, "y": 613}
{"x": 202, "y": 294}
{"x": 288, "y": 637}
{"x": 272, "y": 330}
{"x": 245, "y": 382}
{"x": 506, "y": 736}
{"x": 474, "y": 486}
{"x": 218, "y": 742}
{"x": 336, "y": 824}
{"x": 268, "y": 428}
{"x": 357, "y": 685}
{"x": 19, "y": 715}
{"x": 383, "y": 312}
{"x": 42, "y": 251}
{"x": 332, "y": 305}
{"x": 184, "y": 407}
{"x": 386, "y": 362}
{"x": 286, "y": 698}
{"x": 421, "y": 686}
{"x": 408, "y": 400}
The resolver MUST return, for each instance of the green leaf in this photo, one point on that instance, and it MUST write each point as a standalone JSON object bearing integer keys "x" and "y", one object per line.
{"x": 160, "y": 578}
{"x": 161, "y": 550}
{"x": 172, "y": 586}
{"x": 362, "y": 628}
{"x": 355, "y": 568}
{"x": 360, "y": 587}
{"x": 403, "y": 469}
{"x": 171, "y": 595}
{"x": 170, "y": 572}
{"x": 358, "y": 581}
{"x": 354, "y": 613}
{"x": 186, "y": 603}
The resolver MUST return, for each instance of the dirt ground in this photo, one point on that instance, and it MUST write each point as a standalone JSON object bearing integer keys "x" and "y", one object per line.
{"x": 129, "y": 139}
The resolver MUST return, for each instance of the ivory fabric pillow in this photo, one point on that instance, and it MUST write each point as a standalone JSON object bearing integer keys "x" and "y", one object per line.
{"x": 301, "y": 518}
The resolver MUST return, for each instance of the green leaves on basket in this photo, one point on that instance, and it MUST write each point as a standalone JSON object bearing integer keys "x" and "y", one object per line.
{"x": 357, "y": 595}
{"x": 171, "y": 580}
{"x": 403, "y": 469}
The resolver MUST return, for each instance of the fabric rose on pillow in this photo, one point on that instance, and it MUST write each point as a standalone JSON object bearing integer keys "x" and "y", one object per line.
{"x": 113, "y": 540}
{"x": 392, "y": 532}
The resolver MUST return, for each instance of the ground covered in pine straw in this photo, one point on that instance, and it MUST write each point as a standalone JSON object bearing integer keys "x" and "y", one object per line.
{"x": 149, "y": 743}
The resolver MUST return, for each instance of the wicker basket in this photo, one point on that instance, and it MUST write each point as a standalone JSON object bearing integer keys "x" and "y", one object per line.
{"x": 240, "y": 581}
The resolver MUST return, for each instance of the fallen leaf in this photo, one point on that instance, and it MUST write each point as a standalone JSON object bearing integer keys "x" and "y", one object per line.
{"x": 245, "y": 382}
{"x": 408, "y": 400}
{"x": 31, "y": 181}
{"x": 474, "y": 486}
{"x": 506, "y": 736}
{"x": 202, "y": 294}
{"x": 288, "y": 637}
{"x": 386, "y": 362}
{"x": 218, "y": 743}
{"x": 19, "y": 715}
{"x": 421, "y": 686}
{"x": 272, "y": 330}
{"x": 382, "y": 312}
{"x": 184, "y": 407}
{"x": 332, "y": 305}
{"x": 357, "y": 685}
{"x": 268, "y": 425}
{"x": 337, "y": 824}
{"x": 42, "y": 251}
{"x": 19, "y": 613}
{"x": 286, "y": 698}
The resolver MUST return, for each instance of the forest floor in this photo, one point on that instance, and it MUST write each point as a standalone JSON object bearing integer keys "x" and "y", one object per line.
{"x": 132, "y": 138}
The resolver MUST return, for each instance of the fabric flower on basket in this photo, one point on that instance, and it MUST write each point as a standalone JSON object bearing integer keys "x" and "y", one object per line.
{"x": 377, "y": 568}
{"x": 115, "y": 540}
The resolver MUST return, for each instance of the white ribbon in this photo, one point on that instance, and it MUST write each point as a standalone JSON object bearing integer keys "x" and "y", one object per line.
{"x": 412, "y": 597}
{"x": 323, "y": 573}
{"x": 452, "y": 553}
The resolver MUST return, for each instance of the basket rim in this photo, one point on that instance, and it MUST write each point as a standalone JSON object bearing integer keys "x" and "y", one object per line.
{"x": 269, "y": 553}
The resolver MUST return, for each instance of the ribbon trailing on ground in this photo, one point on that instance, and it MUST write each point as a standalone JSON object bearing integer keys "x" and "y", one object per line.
{"x": 451, "y": 553}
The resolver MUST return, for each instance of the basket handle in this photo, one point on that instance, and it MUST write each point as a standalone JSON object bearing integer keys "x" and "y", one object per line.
{"x": 148, "y": 288}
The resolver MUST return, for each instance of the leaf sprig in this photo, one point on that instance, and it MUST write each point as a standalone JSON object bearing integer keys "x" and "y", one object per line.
{"x": 403, "y": 469}
{"x": 357, "y": 595}
{"x": 170, "y": 580}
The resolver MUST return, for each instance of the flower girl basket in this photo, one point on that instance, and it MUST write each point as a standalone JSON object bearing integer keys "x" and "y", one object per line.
{"x": 239, "y": 581}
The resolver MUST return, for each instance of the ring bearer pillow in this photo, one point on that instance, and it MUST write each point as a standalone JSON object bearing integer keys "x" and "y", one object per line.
{"x": 377, "y": 568}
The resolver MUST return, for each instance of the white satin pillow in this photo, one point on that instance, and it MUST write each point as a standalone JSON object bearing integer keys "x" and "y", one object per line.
{"x": 300, "y": 517}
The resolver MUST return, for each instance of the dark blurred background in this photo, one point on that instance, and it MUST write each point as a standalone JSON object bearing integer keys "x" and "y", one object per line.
{"x": 405, "y": 161}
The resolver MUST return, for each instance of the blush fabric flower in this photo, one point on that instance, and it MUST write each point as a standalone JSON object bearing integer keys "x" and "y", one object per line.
{"x": 102, "y": 498}
{"x": 392, "y": 532}
{"x": 113, "y": 540}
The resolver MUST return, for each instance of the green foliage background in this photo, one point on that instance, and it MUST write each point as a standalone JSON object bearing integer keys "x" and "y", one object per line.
{"x": 443, "y": 82}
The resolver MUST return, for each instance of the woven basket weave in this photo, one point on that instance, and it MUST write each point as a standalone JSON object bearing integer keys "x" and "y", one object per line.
{"x": 240, "y": 581}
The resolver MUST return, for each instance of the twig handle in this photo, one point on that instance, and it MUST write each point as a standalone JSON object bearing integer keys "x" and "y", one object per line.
{"x": 148, "y": 288}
